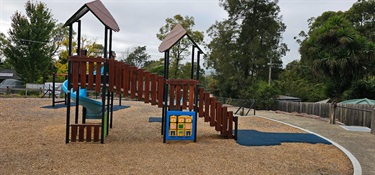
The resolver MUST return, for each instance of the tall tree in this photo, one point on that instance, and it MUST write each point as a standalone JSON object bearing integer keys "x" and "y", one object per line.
{"x": 337, "y": 52}
{"x": 180, "y": 51}
{"x": 32, "y": 42}
{"x": 362, "y": 16}
{"x": 243, "y": 45}
{"x": 137, "y": 57}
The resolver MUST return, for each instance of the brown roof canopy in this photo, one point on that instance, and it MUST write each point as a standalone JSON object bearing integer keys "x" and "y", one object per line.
{"x": 99, "y": 10}
{"x": 177, "y": 33}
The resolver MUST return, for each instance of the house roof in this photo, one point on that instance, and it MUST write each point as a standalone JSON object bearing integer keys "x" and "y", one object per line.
{"x": 99, "y": 10}
{"x": 359, "y": 101}
{"x": 323, "y": 101}
{"x": 8, "y": 73}
{"x": 176, "y": 34}
{"x": 288, "y": 98}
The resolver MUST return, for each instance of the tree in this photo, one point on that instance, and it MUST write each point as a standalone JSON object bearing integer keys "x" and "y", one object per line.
{"x": 244, "y": 44}
{"x": 364, "y": 88}
{"x": 337, "y": 52}
{"x": 92, "y": 47}
{"x": 296, "y": 81}
{"x": 180, "y": 51}
{"x": 155, "y": 66}
{"x": 362, "y": 16}
{"x": 137, "y": 57}
{"x": 32, "y": 42}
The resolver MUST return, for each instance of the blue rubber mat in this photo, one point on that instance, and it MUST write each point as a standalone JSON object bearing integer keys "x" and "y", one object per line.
{"x": 154, "y": 119}
{"x": 256, "y": 138}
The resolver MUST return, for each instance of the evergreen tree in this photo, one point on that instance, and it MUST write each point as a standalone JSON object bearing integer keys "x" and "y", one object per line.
{"x": 337, "y": 52}
{"x": 138, "y": 57}
{"x": 243, "y": 45}
{"x": 32, "y": 42}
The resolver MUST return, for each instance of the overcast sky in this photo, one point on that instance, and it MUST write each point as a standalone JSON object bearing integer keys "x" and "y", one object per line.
{"x": 140, "y": 20}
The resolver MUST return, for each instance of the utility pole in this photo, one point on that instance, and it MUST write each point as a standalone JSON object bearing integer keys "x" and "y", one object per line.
{"x": 269, "y": 71}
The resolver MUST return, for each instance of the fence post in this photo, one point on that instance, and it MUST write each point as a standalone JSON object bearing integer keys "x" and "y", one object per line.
{"x": 332, "y": 107}
{"x": 373, "y": 121}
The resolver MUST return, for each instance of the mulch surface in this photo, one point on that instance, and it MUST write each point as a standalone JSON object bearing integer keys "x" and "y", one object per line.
{"x": 33, "y": 142}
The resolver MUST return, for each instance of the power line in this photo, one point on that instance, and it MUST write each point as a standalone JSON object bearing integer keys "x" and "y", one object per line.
{"x": 33, "y": 41}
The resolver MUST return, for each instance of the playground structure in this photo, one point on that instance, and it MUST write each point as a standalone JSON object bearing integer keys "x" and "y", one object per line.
{"x": 125, "y": 80}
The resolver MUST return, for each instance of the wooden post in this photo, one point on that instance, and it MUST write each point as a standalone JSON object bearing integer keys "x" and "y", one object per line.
{"x": 332, "y": 107}
{"x": 373, "y": 121}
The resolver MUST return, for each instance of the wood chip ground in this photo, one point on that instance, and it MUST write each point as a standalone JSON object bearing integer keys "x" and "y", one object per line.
{"x": 33, "y": 142}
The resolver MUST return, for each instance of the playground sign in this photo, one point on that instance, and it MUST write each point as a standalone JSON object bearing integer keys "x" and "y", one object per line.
{"x": 180, "y": 125}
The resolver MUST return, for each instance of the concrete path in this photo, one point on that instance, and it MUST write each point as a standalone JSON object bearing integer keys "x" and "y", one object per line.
{"x": 360, "y": 144}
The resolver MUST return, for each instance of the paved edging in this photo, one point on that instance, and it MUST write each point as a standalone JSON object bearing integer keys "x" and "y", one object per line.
{"x": 357, "y": 169}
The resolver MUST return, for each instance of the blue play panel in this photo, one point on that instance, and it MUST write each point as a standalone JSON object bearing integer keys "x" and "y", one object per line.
{"x": 256, "y": 138}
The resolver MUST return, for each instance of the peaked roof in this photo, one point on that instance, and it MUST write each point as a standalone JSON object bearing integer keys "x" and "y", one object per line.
{"x": 99, "y": 10}
{"x": 288, "y": 98}
{"x": 176, "y": 34}
{"x": 359, "y": 101}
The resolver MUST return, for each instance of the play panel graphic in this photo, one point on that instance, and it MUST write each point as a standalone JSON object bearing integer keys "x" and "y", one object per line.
{"x": 180, "y": 125}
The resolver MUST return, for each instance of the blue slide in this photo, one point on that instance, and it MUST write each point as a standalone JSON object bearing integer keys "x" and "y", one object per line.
{"x": 94, "y": 107}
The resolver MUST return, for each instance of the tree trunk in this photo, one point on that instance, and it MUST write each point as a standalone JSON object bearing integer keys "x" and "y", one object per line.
{"x": 332, "y": 119}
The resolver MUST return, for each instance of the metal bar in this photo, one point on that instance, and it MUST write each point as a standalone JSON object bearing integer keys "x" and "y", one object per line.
{"x": 192, "y": 63}
{"x": 104, "y": 82}
{"x": 195, "y": 126}
{"x": 198, "y": 62}
{"x": 77, "y": 106}
{"x": 196, "y": 88}
{"x": 105, "y": 42}
{"x": 164, "y": 89}
{"x": 251, "y": 107}
{"x": 110, "y": 44}
{"x": 69, "y": 80}
{"x": 120, "y": 99}
{"x": 53, "y": 89}
{"x": 235, "y": 127}
{"x": 194, "y": 43}
{"x": 111, "y": 110}
{"x": 84, "y": 113}
{"x": 108, "y": 109}
{"x": 238, "y": 109}
{"x": 255, "y": 105}
{"x": 78, "y": 53}
{"x": 166, "y": 72}
{"x": 79, "y": 38}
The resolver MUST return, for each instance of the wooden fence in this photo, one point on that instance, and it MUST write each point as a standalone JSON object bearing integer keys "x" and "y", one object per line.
{"x": 349, "y": 114}
{"x": 85, "y": 132}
